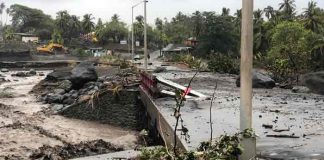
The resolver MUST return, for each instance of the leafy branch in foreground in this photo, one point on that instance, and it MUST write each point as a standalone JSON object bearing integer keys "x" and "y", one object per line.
{"x": 180, "y": 99}
{"x": 225, "y": 147}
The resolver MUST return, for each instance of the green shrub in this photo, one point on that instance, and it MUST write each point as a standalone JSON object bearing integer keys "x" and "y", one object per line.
{"x": 223, "y": 64}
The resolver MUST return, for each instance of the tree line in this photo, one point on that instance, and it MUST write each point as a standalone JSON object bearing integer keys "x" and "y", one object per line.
{"x": 285, "y": 41}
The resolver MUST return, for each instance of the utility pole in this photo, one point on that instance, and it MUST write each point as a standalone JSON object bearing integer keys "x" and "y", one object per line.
{"x": 145, "y": 37}
{"x": 133, "y": 34}
{"x": 249, "y": 144}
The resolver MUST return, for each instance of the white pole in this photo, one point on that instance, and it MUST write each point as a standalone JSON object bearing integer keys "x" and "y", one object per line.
{"x": 133, "y": 34}
{"x": 248, "y": 144}
{"x": 145, "y": 37}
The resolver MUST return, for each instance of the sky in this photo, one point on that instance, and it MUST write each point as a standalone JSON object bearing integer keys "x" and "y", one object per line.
{"x": 104, "y": 9}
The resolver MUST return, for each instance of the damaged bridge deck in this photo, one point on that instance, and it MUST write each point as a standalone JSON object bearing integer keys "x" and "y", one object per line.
{"x": 295, "y": 120}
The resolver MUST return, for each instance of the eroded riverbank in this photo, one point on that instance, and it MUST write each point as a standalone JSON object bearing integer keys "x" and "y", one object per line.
{"x": 25, "y": 127}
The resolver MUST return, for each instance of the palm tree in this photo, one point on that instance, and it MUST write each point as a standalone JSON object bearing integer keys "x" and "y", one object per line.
{"x": 269, "y": 12}
{"x": 238, "y": 18}
{"x": 238, "y": 13}
{"x": 197, "y": 20}
{"x": 87, "y": 23}
{"x": 258, "y": 15}
{"x": 257, "y": 29}
{"x": 62, "y": 20}
{"x": 115, "y": 18}
{"x": 75, "y": 26}
{"x": 310, "y": 16}
{"x": 2, "y": 7}
{"x": 288, "y": 8}
{"x": 225, "y": 11}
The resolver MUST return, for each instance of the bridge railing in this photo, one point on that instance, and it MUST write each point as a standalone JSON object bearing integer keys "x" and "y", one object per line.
{"x": 149, "y": 84}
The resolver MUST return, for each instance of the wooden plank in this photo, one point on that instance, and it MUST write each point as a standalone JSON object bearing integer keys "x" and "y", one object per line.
{"x": 178, "y": 86}
{"x": 172, "y": 94}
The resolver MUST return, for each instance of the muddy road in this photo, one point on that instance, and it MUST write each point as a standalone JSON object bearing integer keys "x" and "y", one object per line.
{"x": 297, "y": 118}
{"x": 26, "y": 127}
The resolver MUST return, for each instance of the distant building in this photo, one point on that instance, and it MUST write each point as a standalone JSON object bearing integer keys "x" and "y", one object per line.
{"x": 192, "y": 42}
{"x": 26, "y": 37}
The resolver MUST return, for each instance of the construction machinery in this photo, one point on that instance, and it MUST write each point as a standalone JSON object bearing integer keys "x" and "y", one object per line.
{"x": 52, "y": 48}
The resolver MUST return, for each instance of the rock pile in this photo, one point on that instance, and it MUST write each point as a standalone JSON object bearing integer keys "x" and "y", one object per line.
{"x": 69, "y": 151}
{"x": 30, "y": 73}
{"x": 65, "y": 87}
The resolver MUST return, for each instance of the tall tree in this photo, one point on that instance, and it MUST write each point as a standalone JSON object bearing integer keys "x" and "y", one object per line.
{"x": 288, "y": 8}
{"x": 311, "y": 17}
{"x": 159, "y": 24}
{"x": 197, "y": 20}
{"x": 99, "y": 24}
{"x": 87, "y": 23}
{"x": 115, "y": 18}
{"x": 62, "y": 21}
{"x": 25, "y": 19}
{"x": 290, "y": 48}
{"x": 225, "y": 11}
{"x": 269, "y": 12}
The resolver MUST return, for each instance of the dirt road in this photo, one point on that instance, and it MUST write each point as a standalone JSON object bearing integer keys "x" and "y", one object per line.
{"x": 24, "y": 126}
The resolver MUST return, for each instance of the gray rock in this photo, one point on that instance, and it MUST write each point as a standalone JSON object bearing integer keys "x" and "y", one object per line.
{"x": 66, "y": 85}
{"x": 75, "y": 95}
{"x": 73, "y": 91}
{"x": 83, "y": 73}
{"x": 67, "y": 95}
{"x": 315, "y": 82}
{"x": 4, "y": 70}
{"x": 259, "y": 80}
{"x": 59, "y": 91}
{"x": 59, "y": 75}
{"x": 57, "y": 107}
{"x": 96, "y": 88}
{"x": 68, "y": 101}
{"x": 21, "y": 74}
{"x": 300, "y": 89}
{"x": 32, "y": 72}
{"x": 54, "y": 98}
{"x": 101, "y": 79}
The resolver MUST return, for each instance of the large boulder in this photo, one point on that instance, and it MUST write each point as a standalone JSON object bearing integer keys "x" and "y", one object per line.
{"x": 315, "y": 82}
{"x": 259, "y": 80}
{"x": 83, "y": 73}
{"x": 59, "y": 75}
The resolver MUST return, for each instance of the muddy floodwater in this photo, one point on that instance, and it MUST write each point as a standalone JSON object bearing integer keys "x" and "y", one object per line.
{"x": 25, "y": 127}
{"x": 288, "y": 125}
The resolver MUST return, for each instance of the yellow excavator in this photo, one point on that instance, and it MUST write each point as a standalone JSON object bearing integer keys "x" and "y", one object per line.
{"x": 52, "y": 48}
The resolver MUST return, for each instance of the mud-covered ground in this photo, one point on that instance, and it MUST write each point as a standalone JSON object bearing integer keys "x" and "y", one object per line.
{"x": 26, "y": 132}
{"x": 296, "y": 116}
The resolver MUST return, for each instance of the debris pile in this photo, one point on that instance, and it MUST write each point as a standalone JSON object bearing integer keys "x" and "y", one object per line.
{"x": 69, "y": 151}
{"x": 65, "y": 87}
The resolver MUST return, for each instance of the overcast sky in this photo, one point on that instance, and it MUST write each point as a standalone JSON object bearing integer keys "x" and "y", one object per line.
{"x": 155, "y": 8}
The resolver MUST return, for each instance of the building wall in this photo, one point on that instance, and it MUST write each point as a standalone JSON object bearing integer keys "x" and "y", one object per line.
{"x": 29, "y": 39}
